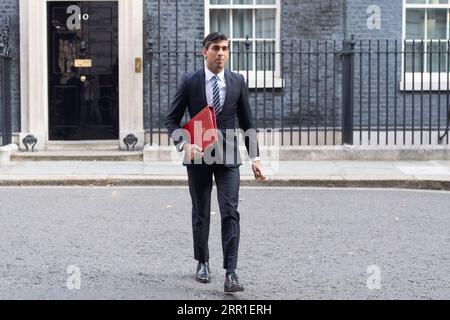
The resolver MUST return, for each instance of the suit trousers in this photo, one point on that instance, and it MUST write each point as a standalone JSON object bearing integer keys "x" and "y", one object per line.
{"x": 200, "y": 186}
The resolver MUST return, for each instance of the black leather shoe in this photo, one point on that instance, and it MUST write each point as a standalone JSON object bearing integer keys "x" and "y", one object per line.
{"x": 232, "y": 284}
{"x": 202, "y": 274}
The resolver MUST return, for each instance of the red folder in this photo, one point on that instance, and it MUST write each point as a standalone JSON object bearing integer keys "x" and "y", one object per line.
{"x": 198, "y": 126}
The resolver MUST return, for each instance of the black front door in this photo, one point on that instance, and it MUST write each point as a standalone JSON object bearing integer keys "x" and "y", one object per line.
{"x": 83, "y": 70}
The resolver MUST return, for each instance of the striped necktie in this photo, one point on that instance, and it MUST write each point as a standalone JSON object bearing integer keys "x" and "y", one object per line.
{"x": 216, "y": 95}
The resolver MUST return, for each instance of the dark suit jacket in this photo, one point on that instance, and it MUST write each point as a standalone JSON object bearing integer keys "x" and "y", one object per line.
{"x": 191, "y": 95}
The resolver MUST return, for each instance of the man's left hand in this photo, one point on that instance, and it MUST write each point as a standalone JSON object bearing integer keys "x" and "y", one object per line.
{"x": 257, "y": 171}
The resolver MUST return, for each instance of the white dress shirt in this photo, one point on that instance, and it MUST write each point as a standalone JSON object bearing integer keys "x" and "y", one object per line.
{"x": 209, "y": 82}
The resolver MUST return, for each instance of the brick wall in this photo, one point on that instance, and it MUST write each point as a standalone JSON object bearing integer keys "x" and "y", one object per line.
{"x": 11, "y": 8}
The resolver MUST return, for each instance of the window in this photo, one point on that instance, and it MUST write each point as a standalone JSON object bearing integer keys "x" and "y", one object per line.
{"x": 427, "y": 35}
{"x": 259, "y": 20}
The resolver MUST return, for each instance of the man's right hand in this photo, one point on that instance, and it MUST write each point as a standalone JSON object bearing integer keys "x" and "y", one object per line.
{"x": 192, "y": 151}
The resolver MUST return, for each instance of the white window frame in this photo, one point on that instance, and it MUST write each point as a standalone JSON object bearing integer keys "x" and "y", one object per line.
{"x": 256, "y": 78}
{"x": 413, "y": 81}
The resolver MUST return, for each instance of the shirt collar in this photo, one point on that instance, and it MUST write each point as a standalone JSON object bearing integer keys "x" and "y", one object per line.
{"x": 209, "y": 75}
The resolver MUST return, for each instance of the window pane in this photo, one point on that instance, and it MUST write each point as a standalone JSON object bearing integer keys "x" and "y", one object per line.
{"x": 436, "y": 53}
{"x": 437, "y": 24}
{"x": 415, "y": 1}
{"x": 415, "y": 55}
{"x": 265, "y": 2}
{"x": 220, "y": 2}
{"x": 242, "y": 23}
{"x": 265, "y": 55}
{"x": 437, "y": 1}
{"x": 242, "y": 1}
{"x": 265, "y": 23}
{"x": 415, "y": 27}
{"x": 219, "y": 21}
{"x": 240, "y": 55}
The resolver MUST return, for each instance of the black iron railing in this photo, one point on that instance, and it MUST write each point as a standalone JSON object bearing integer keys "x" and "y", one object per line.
{"x": 5, "y": 101}
{"x": 374, "y": 92}
{"x": 5, "y": 85}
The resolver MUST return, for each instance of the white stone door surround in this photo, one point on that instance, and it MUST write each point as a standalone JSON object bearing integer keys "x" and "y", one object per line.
{"x": 34, "y": 75}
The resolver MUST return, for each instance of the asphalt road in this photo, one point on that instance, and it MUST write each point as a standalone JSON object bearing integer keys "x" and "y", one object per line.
{"x": 296, "y": 243}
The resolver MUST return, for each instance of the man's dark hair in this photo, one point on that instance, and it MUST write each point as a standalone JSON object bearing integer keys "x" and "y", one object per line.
{"x": 212, "y": 38}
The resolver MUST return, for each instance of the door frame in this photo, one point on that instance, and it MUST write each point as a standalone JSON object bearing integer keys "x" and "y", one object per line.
{"x": 34, "y": 72}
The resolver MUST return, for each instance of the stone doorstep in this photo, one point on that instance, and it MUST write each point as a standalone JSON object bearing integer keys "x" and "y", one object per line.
{"x": 110, "y": 145}
{"x": 78, "y": 155}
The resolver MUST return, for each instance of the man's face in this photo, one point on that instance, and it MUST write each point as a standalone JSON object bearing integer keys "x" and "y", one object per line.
{"x": 216, "y": 56}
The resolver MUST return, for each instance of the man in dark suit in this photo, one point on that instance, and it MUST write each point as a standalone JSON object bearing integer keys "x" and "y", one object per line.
{"x": 227, "y": 92}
